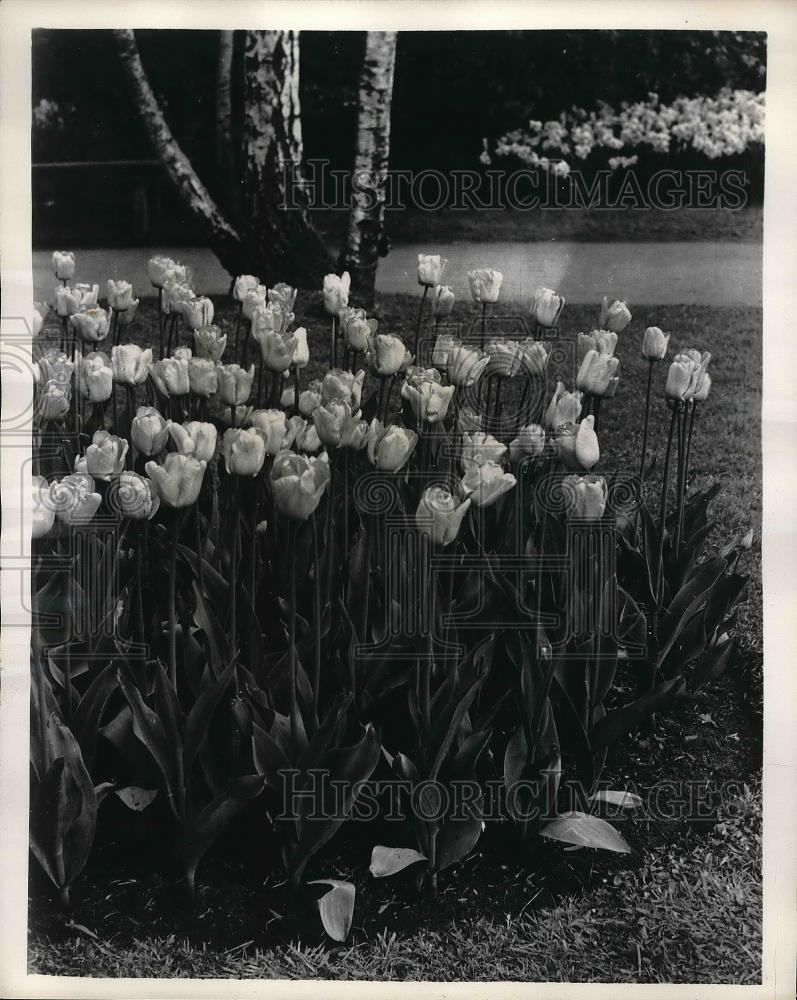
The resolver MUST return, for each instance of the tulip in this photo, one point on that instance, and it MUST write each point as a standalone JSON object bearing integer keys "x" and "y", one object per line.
{"x": 703, "y": 388}
{"x": 310, "y": 398}
{"x": 430, "y": 269}
{"x": 389, "y": 448}
{"x": 244, "y": 451}
{"x": 654, "y": 344}
{"x": 183, "y": 442}
{"x": 91, "y": 324}
{"x": 485, "y": 482}
{"x": 284, "y": 295}
{"x": 105, "y": 456}
{"x": 308, "y": 440}
{"x": 125, "y": 317}
{"x": 505, "y": 358}
{"x": 602, "y": 341}
{"x": 585, "y": 496}
{"x": 273, "y": 426}
{"x": 356, "y": 328}
{"x": 135, "y": 497}
{"x": 276, "y": 349}
{"x": 253, "y": 299}
{"x": 53, "y": 401}
{"x": 468, "y": 420}
{"x": 244, "y": 283}
{"x": 598, "y": 374}
{"x": 120, "y": 295}
{"x": 96, "y": 377}
{"x": 182, "y": 353}
{"x": 67, "y": 301}
{"x": 270, "y": 316}
{"x": 301, "y": 355}
{"x": 614, "y": 317}
{"x": 162, "y": 268}
{"x": 480, "y": 447}
{"x": 746, "y": 541}
{"x": 444, "y": 344}
{"x": 43, "y": 507}
{"x": 336, "y": 292}
{"x": 429, "y": 399}
{"x": 443, "y": 301}
{"x": 170, "y": 375}
{"x": 695, "y": 356}
{"x": 197, "y": 312}
{"x": 298, "y": 483}
{"x": 130, "y": 364}
{"x": 88, "y": 295}
{"x": 564, "y": 407}
{"x": 55, "y": 366}
{"x": 577, "y": 444}
{"x": 175, "y": 293}
{"x": 485, "y": 284}
{"x": 465, "y": 365}
{"x": 224, "y": 414}
{"x": 534, "y": 355}
{"x": 343, "y": 386}
{"x": 75, "y": 499}
{"x": 530, "y": 443}
{"x": 386, "y": 354}
{"x": 203, "y": 437}
{"x": 210, "y": 343}
{"x": 338, "y": 427}
{"x": 202, "y": 377}
{"x": 178, "y": 481}
{"x": 149, "y": 431}
{"x": 295, "y": 427}
{"x": 682, "y": 379}
{"x": 64, "y": 264}
{"x": 234, "y": 383}
{"x": 547, "y": 307}
{"x": 440, "y": 514}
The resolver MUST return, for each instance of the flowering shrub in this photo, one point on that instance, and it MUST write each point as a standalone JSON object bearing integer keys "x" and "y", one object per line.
{"x": 725, "y": 125}
{"x": 272, "y": 592}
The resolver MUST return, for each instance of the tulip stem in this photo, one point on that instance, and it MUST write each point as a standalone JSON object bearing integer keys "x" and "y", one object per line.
{"x": 498, "y": 403}
{"x": 160, "y": 322}
{"x": 236, "y": 535}
{"x": 333, "y": 345}
{"x": 317, "y": 619}
{"x": 140, "y": 541}
{"x": 645, "y": 428}
{"x": 292, "y": 628}
{"x": 692, "y": 419}
{"x": 663, "y": 509}
{"x": 483, "y": 324}
{"x": 418, "y": 323}
{"x": 199, "y": 549}
{"x": 380, "y": 406}
{"x": 174, "y": 530}
{"x": 596, "y": 410}
{"x": 238, "y": 331}
{"x": 296, "y": 388}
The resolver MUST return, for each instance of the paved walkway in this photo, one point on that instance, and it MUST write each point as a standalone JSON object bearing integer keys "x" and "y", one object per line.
{"x": 644, "y": 273}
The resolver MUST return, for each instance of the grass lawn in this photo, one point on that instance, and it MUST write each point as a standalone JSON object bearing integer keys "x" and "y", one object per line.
{"x": 684, "y": 907}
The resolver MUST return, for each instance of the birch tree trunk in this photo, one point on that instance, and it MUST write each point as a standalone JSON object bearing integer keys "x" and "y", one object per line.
{"x": 280, "y": 240}
{"x": 365, "y": 239}
{"x": 225, "y": 239}
{"x": 276, "y": 240}
{"x": 228, "y": 188}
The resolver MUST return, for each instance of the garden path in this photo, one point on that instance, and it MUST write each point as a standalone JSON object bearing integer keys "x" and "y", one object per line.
{"x": 714, "y": 274}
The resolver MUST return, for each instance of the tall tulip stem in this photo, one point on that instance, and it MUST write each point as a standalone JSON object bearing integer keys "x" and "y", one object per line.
{"x": 692, "y": 420}
{"x": 160, "y": 322}
{"x": 316, "y": 618}
{"x": 663, "y": 508}
{"x": 235, "y": 545}
{"x": 418, "y": 323}
{"x": 238, "y": 331}
{"x": 645, "y": 427}
{"x": 483, "y": 325}
{"x": 174, "y": 535}
{"x": 292, "y": 628}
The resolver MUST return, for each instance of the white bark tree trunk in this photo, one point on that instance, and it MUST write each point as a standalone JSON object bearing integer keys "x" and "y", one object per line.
{"x": 280, "y": 238}
{"x": 365, "y": 241}
{"x": 226, "y": 240}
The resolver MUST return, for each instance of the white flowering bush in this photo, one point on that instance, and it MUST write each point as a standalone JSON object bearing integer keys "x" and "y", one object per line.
{"x": 728, "y": 124}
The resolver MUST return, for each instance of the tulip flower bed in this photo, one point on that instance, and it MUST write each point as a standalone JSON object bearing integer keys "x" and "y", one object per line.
{"x": 336, "y": 613}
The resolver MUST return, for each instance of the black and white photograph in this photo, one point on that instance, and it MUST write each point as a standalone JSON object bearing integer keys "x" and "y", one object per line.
{"x": 385, "y": 484}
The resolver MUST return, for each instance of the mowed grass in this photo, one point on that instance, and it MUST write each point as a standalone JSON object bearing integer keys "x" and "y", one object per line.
{"x": 688, "y": 908}
{"x": 684, "y": 916}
